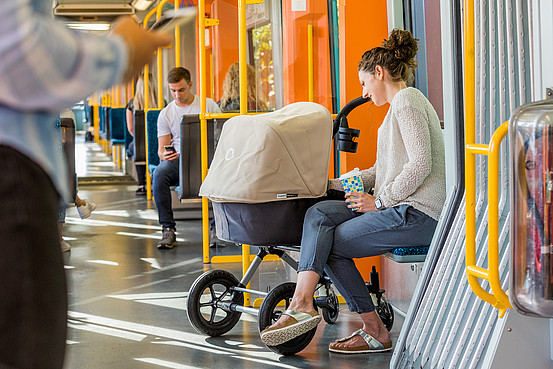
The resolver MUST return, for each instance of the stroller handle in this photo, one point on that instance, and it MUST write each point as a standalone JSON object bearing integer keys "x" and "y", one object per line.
{"x": 340, "y": 126}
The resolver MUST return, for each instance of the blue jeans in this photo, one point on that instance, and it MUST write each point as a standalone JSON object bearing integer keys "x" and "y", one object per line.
{"x": 165, "y": 176}
{"x": 333, "y": 235}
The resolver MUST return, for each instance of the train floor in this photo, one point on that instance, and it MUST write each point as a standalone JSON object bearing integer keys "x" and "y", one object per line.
{"x": 127, "y": 299}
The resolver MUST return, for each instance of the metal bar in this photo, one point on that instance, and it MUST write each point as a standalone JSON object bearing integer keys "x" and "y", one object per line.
{"x": 477, "y": 149}
{"x": 290, "y": 261}
{"x": 242, "y": 56}
{"x": 478, "y": 272}
{"x": 254, "y": 292}
{"x": 310, "y": 57}
{"x": 248, "y": 274}
{"x": 470, "y": 162}
{"x": 177, "y": 44}
{"x": 146, "y": 108}
{"x": 203, "y": 125}
{"x": 493, "y": 220}
{"x": 248, "y": 310}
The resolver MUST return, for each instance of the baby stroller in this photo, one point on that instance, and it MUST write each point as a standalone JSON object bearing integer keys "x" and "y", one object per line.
{"x": 274, "y": 167}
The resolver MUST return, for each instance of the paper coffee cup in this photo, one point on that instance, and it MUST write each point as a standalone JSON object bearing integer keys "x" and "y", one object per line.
{"x": 352, "y": 182}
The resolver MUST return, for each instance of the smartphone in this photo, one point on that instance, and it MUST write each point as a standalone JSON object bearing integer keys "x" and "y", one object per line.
{"x": 174, "y": 18}
{"x": 170, "y": 149}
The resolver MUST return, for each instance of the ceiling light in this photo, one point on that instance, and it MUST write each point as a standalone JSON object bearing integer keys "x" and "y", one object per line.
{"x": 84, "y": 26}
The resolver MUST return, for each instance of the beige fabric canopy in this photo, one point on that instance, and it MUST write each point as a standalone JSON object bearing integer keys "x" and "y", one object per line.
{"x": 275, "y": 156}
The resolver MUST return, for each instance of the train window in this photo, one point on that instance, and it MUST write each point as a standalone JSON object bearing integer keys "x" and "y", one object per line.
{"x": 262, "y": 49}
{"x": 422, "y": 19}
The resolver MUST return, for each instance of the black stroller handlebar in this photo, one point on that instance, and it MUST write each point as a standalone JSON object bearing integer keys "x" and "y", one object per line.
{"x": 340, "y": 126}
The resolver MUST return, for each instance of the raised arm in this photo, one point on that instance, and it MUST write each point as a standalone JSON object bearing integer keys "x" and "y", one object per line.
{"x": 46, "y": 66}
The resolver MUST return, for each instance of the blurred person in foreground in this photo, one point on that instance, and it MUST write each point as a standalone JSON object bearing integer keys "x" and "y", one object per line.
{"x": 44, "y": 68}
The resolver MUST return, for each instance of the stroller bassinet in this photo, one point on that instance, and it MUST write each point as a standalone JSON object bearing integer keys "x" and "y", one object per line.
{"x": 273, "y": 166}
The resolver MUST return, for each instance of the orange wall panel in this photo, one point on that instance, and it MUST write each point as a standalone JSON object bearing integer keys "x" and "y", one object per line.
{"x": 295, "y": 53}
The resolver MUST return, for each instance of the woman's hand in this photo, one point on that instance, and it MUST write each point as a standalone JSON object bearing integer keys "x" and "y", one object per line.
{"x": 360, "y": 202}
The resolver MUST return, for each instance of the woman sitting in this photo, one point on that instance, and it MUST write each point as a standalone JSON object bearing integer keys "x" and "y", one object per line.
{"x": 409, "y": 192}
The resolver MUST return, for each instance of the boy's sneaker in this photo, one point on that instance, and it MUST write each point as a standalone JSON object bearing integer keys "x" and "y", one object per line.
{"x": 85, "y": 210}
{"x": 65, "y": 246}
{"x": 169, "y": 240}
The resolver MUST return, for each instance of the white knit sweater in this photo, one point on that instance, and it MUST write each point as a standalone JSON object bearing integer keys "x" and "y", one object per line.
{"x": 410, "y": 158}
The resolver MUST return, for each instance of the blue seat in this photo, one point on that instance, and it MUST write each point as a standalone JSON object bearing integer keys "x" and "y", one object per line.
{"x": 102, "y": 125}
{"x": 89, "y": 114}
{"x": 412, "y": 254}
{"x": 151, "y": 138}
{"x": 117, "y": 126}
{"x": 107, "y": 127}
{"x": 139, "y": 137}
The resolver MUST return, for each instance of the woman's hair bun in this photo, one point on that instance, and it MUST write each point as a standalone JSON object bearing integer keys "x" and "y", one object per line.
{"x": 402, "y": 44}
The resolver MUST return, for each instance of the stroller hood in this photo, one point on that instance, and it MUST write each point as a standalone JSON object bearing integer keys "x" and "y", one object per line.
{"x": 274, "y": 156}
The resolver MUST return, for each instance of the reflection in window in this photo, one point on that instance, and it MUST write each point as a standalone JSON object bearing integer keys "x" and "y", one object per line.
{"x": 263, "y": 63}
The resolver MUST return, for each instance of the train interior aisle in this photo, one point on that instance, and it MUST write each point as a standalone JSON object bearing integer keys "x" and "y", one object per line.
{"x": 127, "y": 299}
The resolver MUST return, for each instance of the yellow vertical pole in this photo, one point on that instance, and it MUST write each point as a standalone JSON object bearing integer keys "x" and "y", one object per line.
{"x": 177, "y": 40}
{"x": 310, "y": 60}
{"x": 159, "y": 69}
{"x": 114, "y": 97}
{"x": 96, "y": 118}
{"x": 242, "y": 55}
{"x": 159, "y": 79}
{"x": 146, "y": 108}
{"x": 203, "y": 125}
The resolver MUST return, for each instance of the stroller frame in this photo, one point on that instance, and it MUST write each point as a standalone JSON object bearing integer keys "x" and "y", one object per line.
{"x": 225, "y": 294}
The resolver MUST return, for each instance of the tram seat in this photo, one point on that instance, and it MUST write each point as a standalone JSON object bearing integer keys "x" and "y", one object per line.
{"x": 413, "y": 254}
{"x": 190, "y": 173}
{"x": 127, "y": 134}
{"x": 117, "y": 126}
{"x": 139, "y": 137}
{"x": 107, "y": 135}
{"x": 151, "y": 138}
{"x": 102, "y": 120}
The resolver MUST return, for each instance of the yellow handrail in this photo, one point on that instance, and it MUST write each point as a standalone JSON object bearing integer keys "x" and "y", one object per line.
{"x": 310, "y": 76}
{"x": 203, "y": 125}
{"x": 498, "y": 298}
{"x": 146, "y": 108}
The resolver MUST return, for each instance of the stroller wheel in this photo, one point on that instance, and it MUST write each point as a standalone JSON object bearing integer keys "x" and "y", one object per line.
{"x": 272, "y": 308}
{"x": 332, "y": 308}
{"x": 205, "y": 298}
{"x": 385, "y": 312}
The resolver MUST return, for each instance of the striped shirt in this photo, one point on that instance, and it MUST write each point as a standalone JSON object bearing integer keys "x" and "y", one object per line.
{"x": 44, "y": 68}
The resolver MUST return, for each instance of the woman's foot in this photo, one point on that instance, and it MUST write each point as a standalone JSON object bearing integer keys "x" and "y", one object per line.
{"x": 141, "y": 191}
{"x": 296, "y": 324}
{"x": 285, "y": 320}
{"x": 361, "y": 342}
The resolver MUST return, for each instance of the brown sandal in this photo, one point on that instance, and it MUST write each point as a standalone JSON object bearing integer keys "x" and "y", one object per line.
{"x": 299, "y": 324}
{"x": 373, "y": 345}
